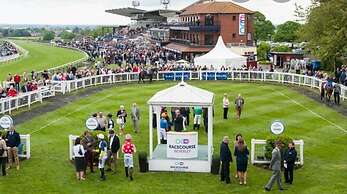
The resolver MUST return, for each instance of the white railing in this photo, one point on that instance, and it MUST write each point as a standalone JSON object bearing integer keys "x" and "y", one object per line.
{"x": 279, "y": 77}
{"x": 7, "y": 105}
{"x": 26, "y": 99}
{"x": 258, "y": 152}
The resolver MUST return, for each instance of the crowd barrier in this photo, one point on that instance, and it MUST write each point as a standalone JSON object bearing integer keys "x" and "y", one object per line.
{"x": 26, "y": 99}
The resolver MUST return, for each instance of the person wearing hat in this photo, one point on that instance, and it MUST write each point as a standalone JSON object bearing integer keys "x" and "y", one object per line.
{"x": 110, "y": 122}
{"x": 121, "y": 119}
{"x": 275, "y": 165}
{"x": 197, "y": 117}
{"x": 112, "y": 154}
{"x": 135, "y": 117}
{"x": 239, "y": 102}
{"x": 164, "y": 127}
{"x": 102, "y": 156}
{"x": 128, "y": 150}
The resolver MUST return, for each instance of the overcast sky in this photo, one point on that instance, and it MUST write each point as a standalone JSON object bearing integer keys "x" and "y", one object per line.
{"x": 93, "y": 11}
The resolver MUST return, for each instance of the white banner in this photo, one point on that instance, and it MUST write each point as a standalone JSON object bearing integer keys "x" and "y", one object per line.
{"x": 242, "y": 24}
{"x": 182, "y": 145}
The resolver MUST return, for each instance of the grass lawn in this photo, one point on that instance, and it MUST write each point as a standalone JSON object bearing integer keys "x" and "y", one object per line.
{"x": 41, "y": 56}
{"x": 324, "y": 171}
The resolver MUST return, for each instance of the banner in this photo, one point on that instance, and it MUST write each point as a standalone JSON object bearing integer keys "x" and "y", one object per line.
{"x": 214, "y": 75}
{"x": 242, "y": 24}
{"x": 182, "y": 145}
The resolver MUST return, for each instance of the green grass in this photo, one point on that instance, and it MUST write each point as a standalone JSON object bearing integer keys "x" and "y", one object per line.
{"x": 324, "y": 171}
{"x": 41, "y": 56}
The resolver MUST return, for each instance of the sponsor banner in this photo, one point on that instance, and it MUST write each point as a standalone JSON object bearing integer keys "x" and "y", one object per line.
{"x": 176, "y": 76}
{"x": 214, "y": 76}
{"x": 182, "y": 145}
{"x": 242, "y": 24}
{"x": 277, "y": 127}
{"x": 92, "y": 123}
{"x": 5, "y": 122}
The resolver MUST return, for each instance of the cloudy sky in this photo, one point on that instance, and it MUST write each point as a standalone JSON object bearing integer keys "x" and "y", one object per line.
{"x": 93, "y": 11}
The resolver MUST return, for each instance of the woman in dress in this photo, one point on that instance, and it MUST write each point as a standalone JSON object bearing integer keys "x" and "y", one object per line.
{"x": 241, "y": 153}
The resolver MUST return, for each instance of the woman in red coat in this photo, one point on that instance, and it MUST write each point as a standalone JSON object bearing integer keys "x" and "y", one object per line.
{"x": 12, "y": 92}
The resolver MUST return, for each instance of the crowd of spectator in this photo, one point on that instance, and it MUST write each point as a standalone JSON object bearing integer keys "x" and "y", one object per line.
{"x": 7, "y": 49}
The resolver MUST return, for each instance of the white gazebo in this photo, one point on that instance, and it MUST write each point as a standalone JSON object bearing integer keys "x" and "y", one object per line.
{"x": 220, "y": 56}
{"x": 181, "y": 95}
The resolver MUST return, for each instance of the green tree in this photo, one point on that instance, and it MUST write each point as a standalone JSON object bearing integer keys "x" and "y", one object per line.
{"x": 48, "y": 35}
{"x": 281, "y": 48}
{"x": 262, "y": 51}
{"x": 287, "y": 32}
{"x": 66, "y": 35}
{"x": 326, "y": 31}
{"x": 263, "y": 28}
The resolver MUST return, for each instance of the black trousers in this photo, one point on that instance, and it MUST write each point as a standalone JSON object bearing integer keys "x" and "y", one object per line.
{"x": 288, "y": 174}
{"x": 225, "y": 113}
{"x": 3, "y": 161}
{"x": 337, "y": 98}
{"x": 225, "y": 172}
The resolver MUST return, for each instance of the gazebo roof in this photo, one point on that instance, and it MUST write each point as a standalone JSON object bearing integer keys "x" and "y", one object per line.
{"x": 182, "y": 94}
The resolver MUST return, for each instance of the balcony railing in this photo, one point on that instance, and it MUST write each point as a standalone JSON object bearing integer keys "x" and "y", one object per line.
{"x": 194, "y": 27}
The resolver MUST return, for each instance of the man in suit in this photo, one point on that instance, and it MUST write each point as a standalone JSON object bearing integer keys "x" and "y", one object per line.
{"x": 289, "y": 162}
{"x": 275, "y": 165}
{"x": 135, "y": 117}
{"x": 114, "y": 144}
{"x": 178, "y": 121}
{"x": 12, "y": 141}
{"x": 225, "y": 157}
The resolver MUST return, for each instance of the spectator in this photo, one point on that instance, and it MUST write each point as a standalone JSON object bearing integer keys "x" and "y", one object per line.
{"x": 17, "y": 80}
{"x": 241, "y": 153}
{"x": 113, "y": 151}
{"x": 225, "y": 106}
{"x": 78, "y": 153}
{"x": 289, "y": 163}
{"x": 12, "y": 141}
{"x": 275, "y": 165}
{"x": 88, "y": 143}
{"x": 121, "y": 119}
{"x": 135, "y": 117}
{"x": 225, "y": 157}
{"x": 337, "y": 92}
{"x": 101, "y": 122}
{"x": 128, "y": 149}
{"x": 3, "y": 155}
{"x": 110, "y": 122}
{"x": 12, "y": 92}
{"x": 239, "y": 102}
{"x": 178, "y": 121}
{"x": 237, "y": 138}
{"x": 2, "y": 93}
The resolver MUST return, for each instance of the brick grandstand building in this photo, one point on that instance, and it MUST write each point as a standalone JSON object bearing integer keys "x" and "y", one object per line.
{"x": 201, "y": 24}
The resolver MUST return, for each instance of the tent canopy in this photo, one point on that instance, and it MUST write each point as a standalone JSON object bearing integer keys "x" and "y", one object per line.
{"x": 182, "y": 95}
{"x": 220, "y": 56}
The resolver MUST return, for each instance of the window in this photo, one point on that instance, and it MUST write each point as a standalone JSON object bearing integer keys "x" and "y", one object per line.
{"x": 234, "y": 17}
{"x": 208, "y": 39}
{"x": 209, "y": 20}
{"x": 234, "y": 35}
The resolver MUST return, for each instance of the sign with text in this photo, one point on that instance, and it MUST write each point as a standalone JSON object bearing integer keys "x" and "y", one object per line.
{"x": 277, "y": 127}
{"x": 6, "y": 122}
{"x": 242, "y": 24}
{"x": 182, "y": 145}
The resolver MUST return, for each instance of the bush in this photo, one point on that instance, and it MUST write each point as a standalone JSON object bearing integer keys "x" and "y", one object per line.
{"x": 215, "y": 164}
{"x": 270, "y": 144}
{"x": 143, "y": 161}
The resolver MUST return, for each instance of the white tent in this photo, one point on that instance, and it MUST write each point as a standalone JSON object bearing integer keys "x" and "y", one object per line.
{"x": 181, "y": 95}
{"x": 220, "y": 56}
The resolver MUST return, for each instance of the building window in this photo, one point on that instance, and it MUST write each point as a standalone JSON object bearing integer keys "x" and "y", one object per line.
{"x": 234, "y": 17}
{"x": 249, "y": 36}
{"x": 208, "y": 39}
{"x": 209, "y": 20}
{"x": 234, "y": 35}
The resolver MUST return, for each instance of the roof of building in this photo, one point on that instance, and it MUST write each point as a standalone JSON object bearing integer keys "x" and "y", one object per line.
{"x": 203, "y": 7}
{"x": 130, "y": 12}
{"x": 179, "y": 48}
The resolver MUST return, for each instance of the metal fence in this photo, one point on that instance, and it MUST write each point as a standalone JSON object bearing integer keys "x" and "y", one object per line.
{"x": 26, "y": 99}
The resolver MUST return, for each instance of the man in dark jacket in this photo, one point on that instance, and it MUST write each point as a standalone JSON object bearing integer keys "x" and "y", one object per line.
{"x": 289, "y": 162}
{"x": 178, "y": 121}
{"x": 225, "y": 157}
{"x": 113, "y": 150}
{"x": 12, "y": 142}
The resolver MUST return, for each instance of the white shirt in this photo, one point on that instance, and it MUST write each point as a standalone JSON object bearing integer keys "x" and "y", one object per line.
{"x": 225, "y": 102}
{"x": 76, "y": 150}
{"x": 111, "y": 141}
